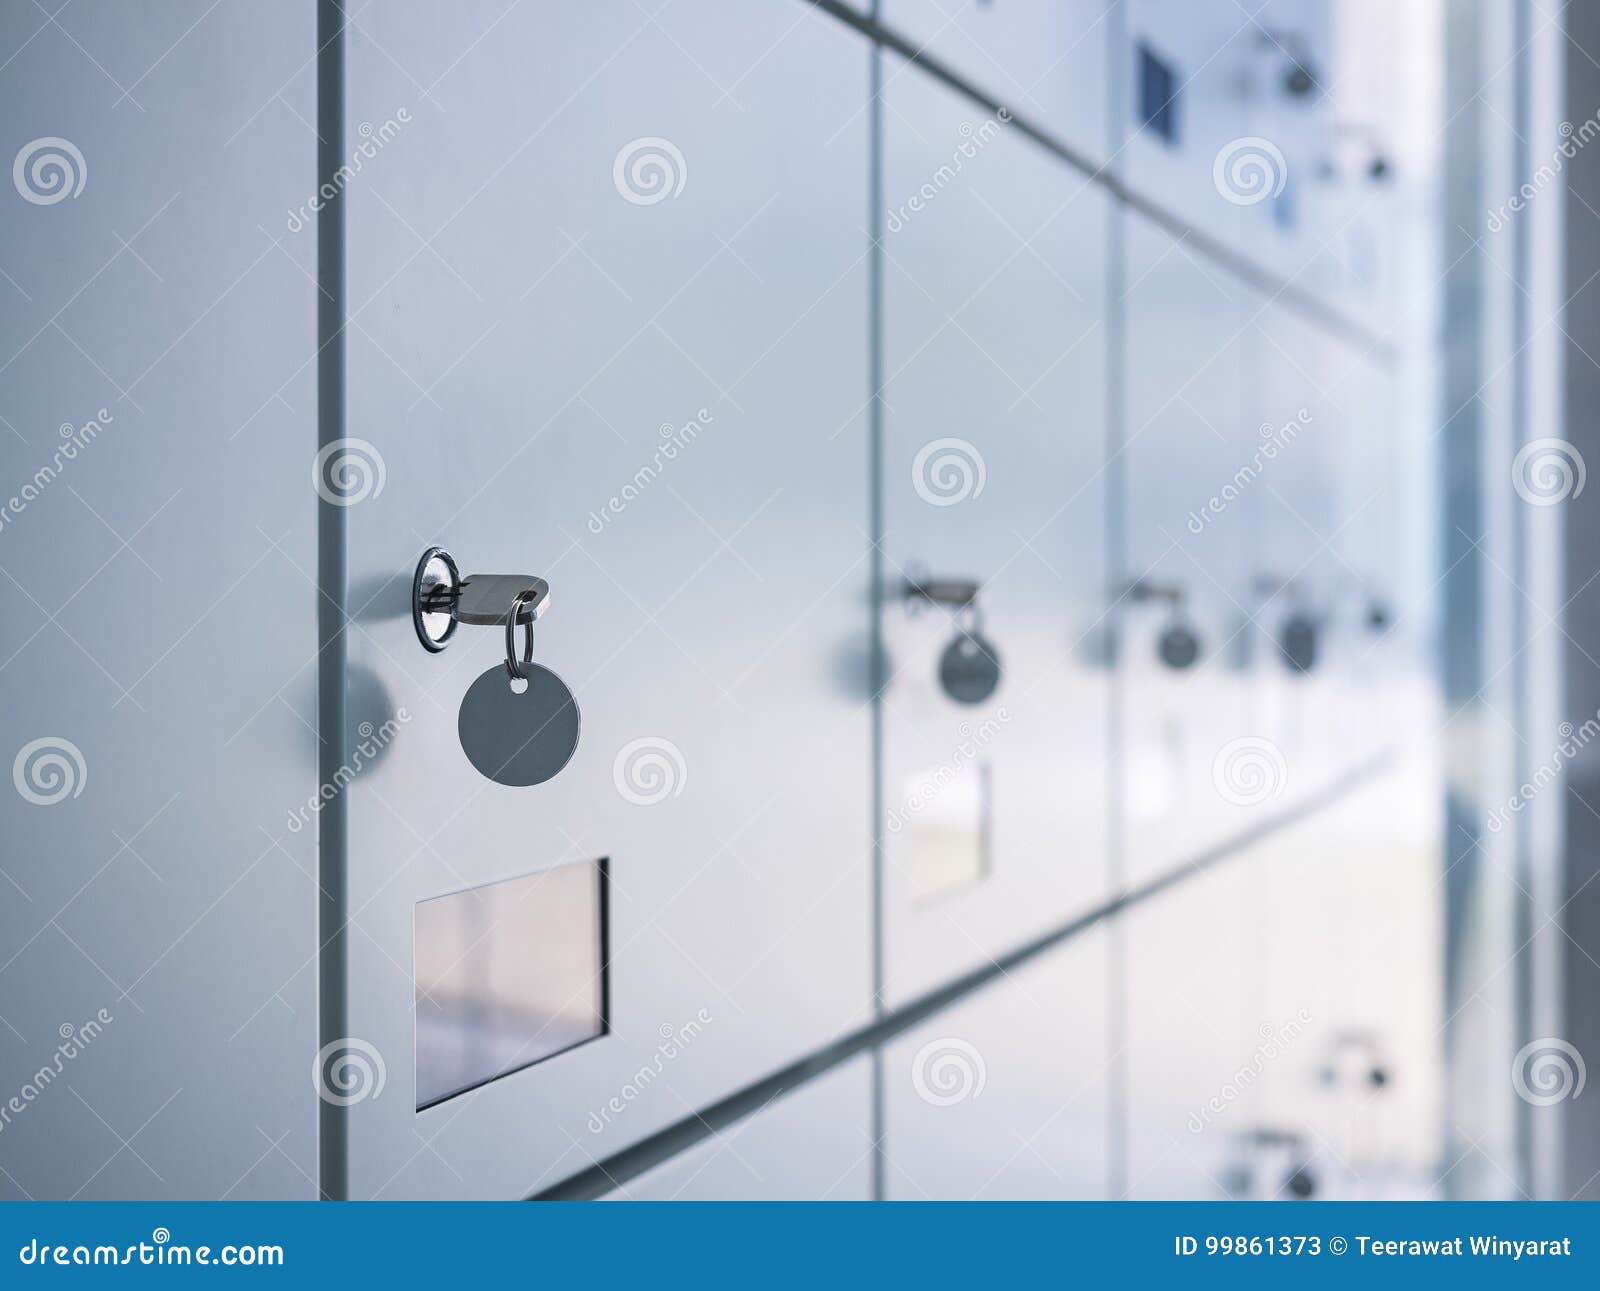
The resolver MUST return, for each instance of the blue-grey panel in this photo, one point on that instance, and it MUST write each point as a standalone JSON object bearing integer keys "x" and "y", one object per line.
{"x": 994, "y": 456}
{"x": 608, "y": 326}
{"x": 1007, "y": 1094}
{"x": 814, "y": 1144}
{"x": 158, "y": 656}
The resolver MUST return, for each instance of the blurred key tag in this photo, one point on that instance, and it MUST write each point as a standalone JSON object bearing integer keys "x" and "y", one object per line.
{"x": 519, "y": 739}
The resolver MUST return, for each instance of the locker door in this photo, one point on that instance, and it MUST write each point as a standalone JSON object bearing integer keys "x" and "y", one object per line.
{"x": 1297, "y": 577}
{"x": 1196, "y": 765}
{"x": 1045, "y": 60}
{"x": 1371, "y": 613}
{"x": 1195, "y": 1035}
{"x": 158, "y": 653}
{"x": 609, "y": 328}
{"x": 1351, "y": 912}
{"x": 814, "y": 1144}
{"x": 1297, "y": 87}
{"x": 1006, "y": 1095}
{"x": 1192, "y": 145}
{"x": 993, "y": 476}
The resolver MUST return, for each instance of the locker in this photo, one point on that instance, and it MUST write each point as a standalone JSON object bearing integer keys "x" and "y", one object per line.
{"x": 1296, "y": 90}
{"x": 1197, "y": 765}
{"x": 1353, "y": 947}
{"x": 828, "y": 601}
{"x": 1006, "y": 1095}
{"x": 158, "y": 915}
{"x": 813, "y": 1144}
{"x": 1298, "y": 583}
{"x": 1190, "y": 142}
{"x": 994, "y": 482}
{"x": 1045, "y": 62}
{"x": 1374, "y": 609}
{"x": 1196, "y": 1037}
{"x": 617, "y": 259}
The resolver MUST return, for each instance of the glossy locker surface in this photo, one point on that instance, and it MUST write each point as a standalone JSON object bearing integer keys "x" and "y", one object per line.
{"x": 1007, "y": 1095}
{"x": 993, "y": 453}
{"x": 1353, "y": 937}
{"x": 1296, "y": 82}
{"x": 1194, "y": 62}
{"x": 160, "y": 633}
{"x": 1194, "y": 1021}
{"x": 1297, "y": 578}
{"x": 1044, "y": 60}
{"x": 1376, "y": 605}
{"x": 814, "y": 1144}
{"x": 1191, "y": 457}
{"x": 533, "y": 325}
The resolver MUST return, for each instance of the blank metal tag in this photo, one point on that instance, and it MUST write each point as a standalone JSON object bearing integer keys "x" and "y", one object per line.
{"x": 969, "y": 668}
{"x": 514, "y": 739}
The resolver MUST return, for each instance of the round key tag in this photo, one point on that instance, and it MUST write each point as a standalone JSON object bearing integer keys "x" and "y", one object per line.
{"x": 1178, "y": 647}
{"x": 519, "y": 739}
{"x": 969, "y": 668}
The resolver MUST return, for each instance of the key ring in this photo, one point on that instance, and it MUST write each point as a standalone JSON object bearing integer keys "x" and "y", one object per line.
{"x": 515, "y": 670}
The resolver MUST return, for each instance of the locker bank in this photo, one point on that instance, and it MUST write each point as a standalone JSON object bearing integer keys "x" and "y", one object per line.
{"x": 821, "y": 600}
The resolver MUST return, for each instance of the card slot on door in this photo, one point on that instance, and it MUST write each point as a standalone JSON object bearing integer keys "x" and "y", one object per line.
{"x": 507, "y": 975}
